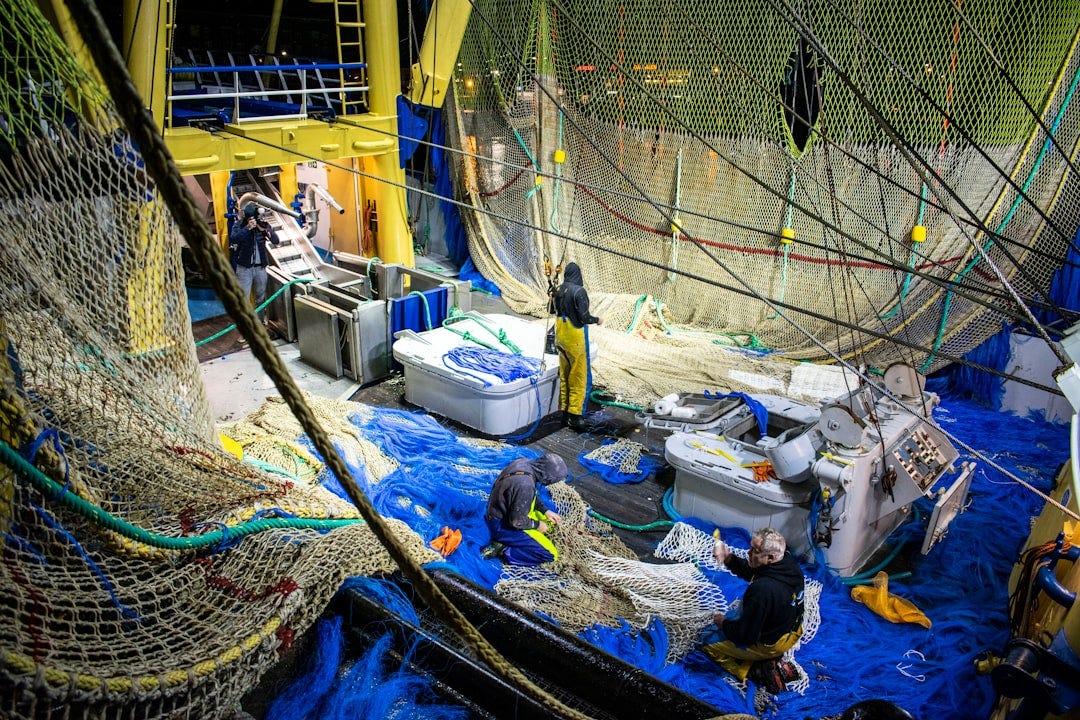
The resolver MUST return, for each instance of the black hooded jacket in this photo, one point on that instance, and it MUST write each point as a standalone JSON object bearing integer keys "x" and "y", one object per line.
{"x": 571, "y": 299}
{"x": 514, "y": 490}
{"x": 772, "y": 605}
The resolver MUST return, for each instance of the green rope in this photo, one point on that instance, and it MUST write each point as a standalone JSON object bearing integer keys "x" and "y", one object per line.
{"x": 637, "y": 313}
{"x": 655, "y": 525}
{"x": 448, "y": 323}
{"x": 53, "y": 490}
{"x": 911, "y": 259}
{"x": 367, "y": 272}
{"x": 536, "y": 165}
{"x": 273, "y": 469}
{"x": 427, "y": 310}
{"x": 558, "y": 179}
{"x": 1001, "y": 226}
{"x": 595, "y": 397}
{"x": 230, "y": 328}
{"x": 660, "y": 316}
{"x": 499, "y": 333}
{"x": 904, "y": 289}
{"x": 753, "y": 343}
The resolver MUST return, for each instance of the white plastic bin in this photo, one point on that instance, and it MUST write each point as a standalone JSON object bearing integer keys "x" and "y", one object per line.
{"x": 495, "y": 408}
{"x": 710, "y": 487}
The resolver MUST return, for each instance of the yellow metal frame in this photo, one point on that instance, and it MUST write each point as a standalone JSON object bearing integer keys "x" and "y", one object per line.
{"x": 369, "y": 135}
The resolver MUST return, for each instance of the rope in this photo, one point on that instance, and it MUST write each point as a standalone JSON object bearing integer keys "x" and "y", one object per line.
{"x": 1021, "y": 195}
{"x": 504, "y": 366}
{"x": 499, "y": 333}
{"x": 427, "y": 310}
{"x": 53, "y": 490}
{"x": 230, "y": 328}
{"x": 159, "y": 165}
{"x": 595, "y": 396}
{"x": 654, "y": 525}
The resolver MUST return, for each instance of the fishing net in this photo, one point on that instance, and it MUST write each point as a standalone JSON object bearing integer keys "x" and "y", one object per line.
{"x": 146, "y": 571}
{"x": 844, "y": 159}
{"x": 687, "y": 544}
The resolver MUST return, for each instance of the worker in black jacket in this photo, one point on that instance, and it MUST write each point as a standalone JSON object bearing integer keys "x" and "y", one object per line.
{"x": 516, "y": 516}
{"x": 769, "y": 619}
{"x": 572, "y": 320}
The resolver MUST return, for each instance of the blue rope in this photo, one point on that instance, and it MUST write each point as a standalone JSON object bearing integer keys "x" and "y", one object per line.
{"x": 539, "y": 414}
{"x": 105, "y": 582}
{"x": 504, "y": 366}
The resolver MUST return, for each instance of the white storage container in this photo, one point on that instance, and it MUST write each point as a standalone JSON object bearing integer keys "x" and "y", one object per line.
{"x": 478, "y": 399}
{"x": 712, "y": 484}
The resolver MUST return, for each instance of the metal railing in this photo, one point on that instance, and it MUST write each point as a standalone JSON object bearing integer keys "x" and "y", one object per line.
{"x": 238, "y": 91}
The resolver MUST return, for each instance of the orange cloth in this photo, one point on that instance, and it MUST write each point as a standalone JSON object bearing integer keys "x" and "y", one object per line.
{"x": 894, "y": 609}
{"x": 447, "y": 542}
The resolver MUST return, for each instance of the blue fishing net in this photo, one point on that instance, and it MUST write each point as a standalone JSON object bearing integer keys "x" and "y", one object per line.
{"x": 961, "y": 585}
{"x": 374, "y": 686}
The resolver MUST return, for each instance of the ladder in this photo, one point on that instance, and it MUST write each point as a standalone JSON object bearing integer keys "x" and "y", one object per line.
{"x": 349, "y": 24}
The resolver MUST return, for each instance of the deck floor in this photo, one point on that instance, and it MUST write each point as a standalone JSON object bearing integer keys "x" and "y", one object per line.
{"x": 236, "y": 386}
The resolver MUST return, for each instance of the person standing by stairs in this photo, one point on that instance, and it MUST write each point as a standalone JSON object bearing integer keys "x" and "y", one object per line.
{"x": 249, "y": 254}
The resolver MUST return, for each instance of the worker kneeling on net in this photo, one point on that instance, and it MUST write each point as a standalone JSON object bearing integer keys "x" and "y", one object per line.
{"x": 516, "y": 516}
{"x": 768, "y": 621}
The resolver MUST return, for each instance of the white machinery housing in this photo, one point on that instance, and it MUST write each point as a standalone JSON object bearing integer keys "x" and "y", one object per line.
{"x": 840, "y": 478}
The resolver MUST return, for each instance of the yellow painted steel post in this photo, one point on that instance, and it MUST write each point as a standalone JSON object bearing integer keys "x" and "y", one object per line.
{"x": 145, "y": 28}
{"x": 342, "y": 184}
{"x": 219, "y": 194}
{"x": 287, "y": 183}
{"x": 144, "y": 44}
{"x": 394, "y": 244}
{"x": 57, "y": 13}
{"x": 275, "y": 24}
{"x": 143, "y": 48}
{"x": 445, "y": 30}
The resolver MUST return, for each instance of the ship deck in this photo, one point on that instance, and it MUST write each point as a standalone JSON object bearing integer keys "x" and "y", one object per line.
{"x": 236, "y": 386}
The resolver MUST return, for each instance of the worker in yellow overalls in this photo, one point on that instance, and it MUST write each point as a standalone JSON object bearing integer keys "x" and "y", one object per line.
{"x": 572, "y": 340}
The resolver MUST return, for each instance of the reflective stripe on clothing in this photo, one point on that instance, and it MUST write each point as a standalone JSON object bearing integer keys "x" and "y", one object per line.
{"x": 524, "y": 547}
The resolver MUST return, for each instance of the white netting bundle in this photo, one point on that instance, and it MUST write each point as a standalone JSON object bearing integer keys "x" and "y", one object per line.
{"x": 622, "y": 454}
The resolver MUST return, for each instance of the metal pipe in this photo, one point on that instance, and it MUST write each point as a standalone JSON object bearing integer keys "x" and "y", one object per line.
{"x": 1047, "y": 581}
{"x": 431, "y": 75}
{"x": 311, "y": 214}
{"x": 321, "y": 192}
{"x": 266, "y": 202}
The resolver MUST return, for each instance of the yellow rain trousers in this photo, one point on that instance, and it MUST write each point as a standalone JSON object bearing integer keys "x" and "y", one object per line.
{"x": 575, "y": 375}
{"x": 737, "y": 660}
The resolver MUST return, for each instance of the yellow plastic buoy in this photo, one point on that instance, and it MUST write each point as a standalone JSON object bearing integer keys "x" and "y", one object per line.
{"x": 787, "y": 235}
{"x": 918, "y": 233}
{"x": 231, "y": 446}
{"x": 560, "y": 156}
